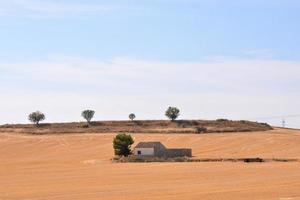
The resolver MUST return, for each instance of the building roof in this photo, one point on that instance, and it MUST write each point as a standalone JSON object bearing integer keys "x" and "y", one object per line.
{"x": 149, "y": 145}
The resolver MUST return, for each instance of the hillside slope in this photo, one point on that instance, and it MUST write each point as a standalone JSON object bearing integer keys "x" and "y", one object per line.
{"x": 147, "y": 126}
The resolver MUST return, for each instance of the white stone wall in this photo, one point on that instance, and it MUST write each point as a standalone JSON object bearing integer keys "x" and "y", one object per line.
{"x": 144, "y": 151}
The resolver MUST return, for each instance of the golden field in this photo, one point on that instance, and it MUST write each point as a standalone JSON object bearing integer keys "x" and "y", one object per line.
{"x": 78, "y": 166}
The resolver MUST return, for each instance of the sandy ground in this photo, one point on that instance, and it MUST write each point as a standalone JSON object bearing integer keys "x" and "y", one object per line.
{"x": 72, "y": 167}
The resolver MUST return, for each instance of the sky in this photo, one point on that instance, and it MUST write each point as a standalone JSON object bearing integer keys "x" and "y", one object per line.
{"x": 210, "y": 58}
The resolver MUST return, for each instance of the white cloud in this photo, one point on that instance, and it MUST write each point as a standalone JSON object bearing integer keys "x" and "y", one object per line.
{"x": 231, "y": 88}
{"x": 226, "y": 75}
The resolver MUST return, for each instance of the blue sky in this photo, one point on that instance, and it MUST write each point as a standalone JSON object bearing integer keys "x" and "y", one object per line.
{"x": 211, "y": 58}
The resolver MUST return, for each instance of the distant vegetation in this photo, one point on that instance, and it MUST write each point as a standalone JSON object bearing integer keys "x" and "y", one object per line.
{"x": 122, "y": 144}
{"x": 132, "y": 116}
{"x": 88, "y": 115}
{"x": 172, "y": 113}
{"x": 36, "y": 117}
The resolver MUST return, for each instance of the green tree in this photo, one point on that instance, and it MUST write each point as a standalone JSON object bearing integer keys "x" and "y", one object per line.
{"x": 172, "y": 113}
{"x": 88, "y": 115}
{"x": 122, "y": 144}
{"x": 132, "y": 116}
{"x": 36, "y": 117}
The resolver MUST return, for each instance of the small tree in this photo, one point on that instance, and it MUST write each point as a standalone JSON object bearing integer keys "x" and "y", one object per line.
{"x": 122, "y": 144}
{"x": 88, "y": 115}
{"x": 132, "y": 116}
{"x": 172, "y": 113}
{"x": 36, "y": 117}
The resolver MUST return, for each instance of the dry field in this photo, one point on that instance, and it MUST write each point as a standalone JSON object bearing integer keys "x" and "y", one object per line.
{"x": 78, "y": 166}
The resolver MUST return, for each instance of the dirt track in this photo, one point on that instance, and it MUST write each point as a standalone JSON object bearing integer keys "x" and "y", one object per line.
{"x": 78, "y": 167}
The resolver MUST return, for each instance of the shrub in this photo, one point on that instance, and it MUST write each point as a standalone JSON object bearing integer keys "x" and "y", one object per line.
{"x": 122, "y": 144}
{"x": 172, "y": 113}
{"x": 88, "y": 115}
{"x": 201, "y": 130}
{"x": 247, "y": 160}
{"x": 132, "y": 116}
{"x": 84, "y": 126}
{"x": 266, "y": 124}
{"x": 222, "y": 120}
{"x": 36, "y": 117}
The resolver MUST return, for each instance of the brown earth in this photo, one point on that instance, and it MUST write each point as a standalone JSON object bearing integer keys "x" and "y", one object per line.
{"x": 144, "y": 126}
{"x": 78, "y": 166}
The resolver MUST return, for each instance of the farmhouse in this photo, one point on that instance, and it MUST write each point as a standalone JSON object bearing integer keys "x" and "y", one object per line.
{"x": 157, "y": 149}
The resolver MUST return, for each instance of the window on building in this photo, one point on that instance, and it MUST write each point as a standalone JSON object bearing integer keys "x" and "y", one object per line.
{"x": 139, "y": 152}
